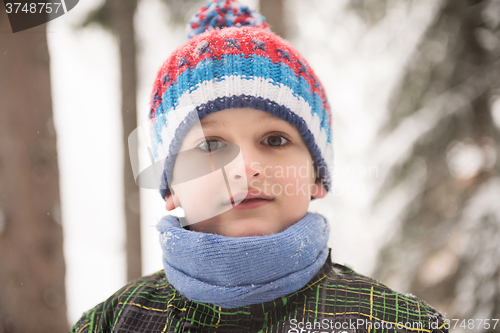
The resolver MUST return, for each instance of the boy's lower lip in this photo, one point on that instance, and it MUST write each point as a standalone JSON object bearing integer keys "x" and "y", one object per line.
{"x": 251, "y": 204}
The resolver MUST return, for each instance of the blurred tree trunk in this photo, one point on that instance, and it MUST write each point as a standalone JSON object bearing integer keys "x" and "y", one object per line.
{"x": 122, "y": 24}
{"x": 447, "y": 245}
{"x": 118, "y": 17}
{"x": 273, "y": 11}
{"x": 32, "y": 269}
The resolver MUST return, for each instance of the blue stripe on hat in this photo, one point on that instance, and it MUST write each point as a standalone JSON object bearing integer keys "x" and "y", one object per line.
{"x": 248, "y": 68}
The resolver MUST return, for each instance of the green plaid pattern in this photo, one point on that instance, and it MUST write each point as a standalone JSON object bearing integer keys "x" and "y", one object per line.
{"x": 335, "y": 300}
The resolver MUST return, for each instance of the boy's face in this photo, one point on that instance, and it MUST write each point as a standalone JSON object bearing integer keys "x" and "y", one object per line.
{"x": 276, "y": 164}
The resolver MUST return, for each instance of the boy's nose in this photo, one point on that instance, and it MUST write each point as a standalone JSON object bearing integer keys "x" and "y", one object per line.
{"x": 251, "y": 168}
{"x": 251, "y": 174}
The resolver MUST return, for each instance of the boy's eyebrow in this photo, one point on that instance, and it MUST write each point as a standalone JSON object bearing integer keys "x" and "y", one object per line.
{"x": 211, "y": 124}
{"x": 268, "y": 117}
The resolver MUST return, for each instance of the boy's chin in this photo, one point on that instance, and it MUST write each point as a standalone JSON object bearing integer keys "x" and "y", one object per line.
{"x": 249, "y": 229}
{"x": 242, "y": 227}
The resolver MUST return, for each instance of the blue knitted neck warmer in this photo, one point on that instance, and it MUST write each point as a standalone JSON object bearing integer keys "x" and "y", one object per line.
{"x": 237, "y": 271}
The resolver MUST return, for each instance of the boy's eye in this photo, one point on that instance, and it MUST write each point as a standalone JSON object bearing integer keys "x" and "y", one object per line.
{"x": 275, "y": 140}
{"x": 211, "y": 145}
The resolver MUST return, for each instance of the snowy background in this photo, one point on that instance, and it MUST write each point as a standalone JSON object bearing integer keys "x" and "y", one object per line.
{"x": 358, "y": 65}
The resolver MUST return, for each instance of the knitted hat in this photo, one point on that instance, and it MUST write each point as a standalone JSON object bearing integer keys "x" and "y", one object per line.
{"x": 232, "y": 60}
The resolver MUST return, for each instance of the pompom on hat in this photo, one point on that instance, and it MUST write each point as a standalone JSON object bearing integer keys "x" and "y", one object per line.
{"x": 223, "y": 14}
{"x": 232, "y": 60}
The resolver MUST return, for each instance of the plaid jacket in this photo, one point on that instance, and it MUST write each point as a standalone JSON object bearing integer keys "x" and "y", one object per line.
{"x": 335, "y": 300}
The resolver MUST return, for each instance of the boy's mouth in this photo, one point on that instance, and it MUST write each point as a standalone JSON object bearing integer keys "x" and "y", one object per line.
{"x": 251, "y": 204}
{"x": 247, "y": 197}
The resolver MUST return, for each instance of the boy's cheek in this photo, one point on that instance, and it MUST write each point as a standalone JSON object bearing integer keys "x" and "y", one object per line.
{"x": 204, "y": 197}
{"x": 293, "y": 180}
{"x": 292, "y": 190}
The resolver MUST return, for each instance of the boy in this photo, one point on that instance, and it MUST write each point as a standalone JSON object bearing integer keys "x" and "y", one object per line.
{"x": 238, "y": 114}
